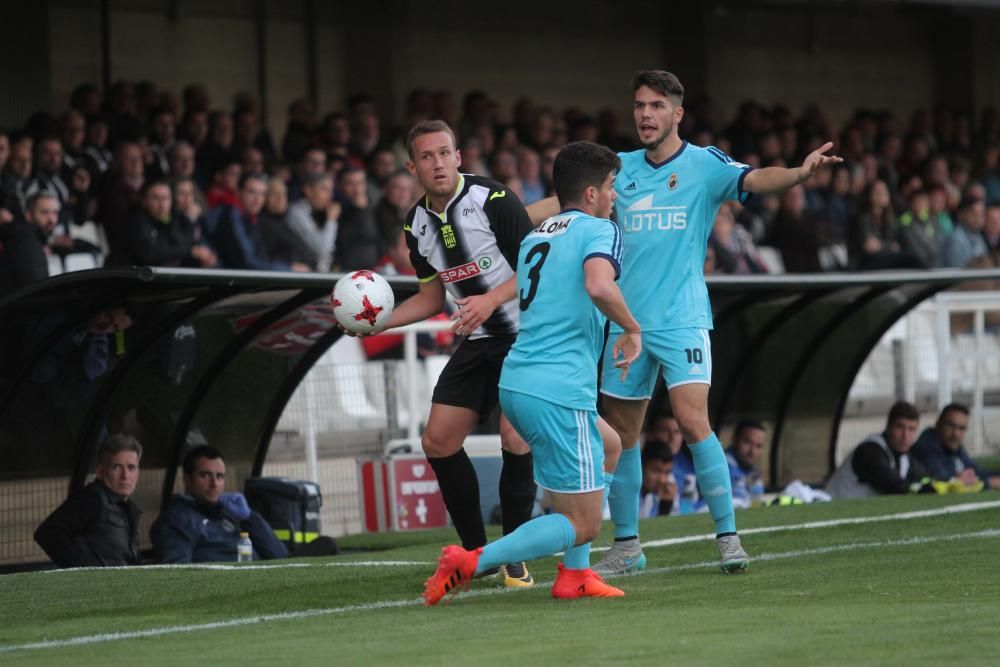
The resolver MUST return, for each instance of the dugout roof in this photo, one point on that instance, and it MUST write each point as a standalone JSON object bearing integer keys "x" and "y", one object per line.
{"x": 214, "y": 356}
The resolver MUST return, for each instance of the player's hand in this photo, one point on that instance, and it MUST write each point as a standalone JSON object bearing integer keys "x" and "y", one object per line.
{"x": 354, "y": 334}
{"x": 627, "y": 348}
{"x": 816, "y": 161}
{"x": 472, "y": 312}
{"x": 345, "y": 331}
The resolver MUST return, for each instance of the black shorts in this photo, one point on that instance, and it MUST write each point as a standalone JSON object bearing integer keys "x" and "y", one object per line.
{"x": 470, "y": 378}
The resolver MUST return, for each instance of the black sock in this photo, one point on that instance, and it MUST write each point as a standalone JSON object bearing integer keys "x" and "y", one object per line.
{"x": 517, "y": 490}
{"x": 460, "y": 489}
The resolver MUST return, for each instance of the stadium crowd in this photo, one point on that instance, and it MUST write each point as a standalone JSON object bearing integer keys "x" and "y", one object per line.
{"x": 175, "y": 180}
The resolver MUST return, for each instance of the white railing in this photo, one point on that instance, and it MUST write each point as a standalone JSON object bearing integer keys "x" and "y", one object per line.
{"x": 922, "y": 359}
{"x": 980, "y": 355}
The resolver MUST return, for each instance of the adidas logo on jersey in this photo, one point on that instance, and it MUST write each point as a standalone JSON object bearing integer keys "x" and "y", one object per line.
{"x": 630, "y": 187}
{"x": 694, "y": 370}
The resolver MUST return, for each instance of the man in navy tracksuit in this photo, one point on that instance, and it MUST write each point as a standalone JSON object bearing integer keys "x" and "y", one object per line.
{"x": 204, "y": 523}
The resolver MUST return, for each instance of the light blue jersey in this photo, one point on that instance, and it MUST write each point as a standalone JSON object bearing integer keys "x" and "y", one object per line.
{"x": 666, "y": 213}
{"x": 562, "y": 332}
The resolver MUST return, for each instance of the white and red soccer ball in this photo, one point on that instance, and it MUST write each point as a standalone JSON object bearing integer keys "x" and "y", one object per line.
{"x": 362, "y": 302}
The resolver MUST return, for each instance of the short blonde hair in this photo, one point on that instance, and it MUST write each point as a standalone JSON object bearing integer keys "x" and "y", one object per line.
{"x": 427, "y": 127}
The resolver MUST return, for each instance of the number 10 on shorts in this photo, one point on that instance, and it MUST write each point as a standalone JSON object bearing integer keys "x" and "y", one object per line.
{"x": 694, "y": 355}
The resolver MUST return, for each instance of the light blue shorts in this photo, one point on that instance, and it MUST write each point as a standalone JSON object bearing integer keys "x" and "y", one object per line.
{"x": 685, "y": 355}
{"x": 566, "y": 446}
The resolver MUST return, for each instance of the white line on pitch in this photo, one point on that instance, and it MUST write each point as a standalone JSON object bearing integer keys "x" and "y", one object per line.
{"x": 235, "y": 568}
{"x": 902, "y": 516}
{"x": 390, "y": 604}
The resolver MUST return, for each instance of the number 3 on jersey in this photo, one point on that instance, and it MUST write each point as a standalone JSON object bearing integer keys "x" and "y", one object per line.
{"x": 534, "y": 273}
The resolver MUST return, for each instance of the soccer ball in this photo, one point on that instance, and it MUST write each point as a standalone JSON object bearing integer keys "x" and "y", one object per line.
{"x": 362, "y": 302}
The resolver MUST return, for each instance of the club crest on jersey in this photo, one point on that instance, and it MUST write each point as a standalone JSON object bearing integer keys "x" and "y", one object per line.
{"x": 672, "y": 182}
{"x": 448, "y": 236}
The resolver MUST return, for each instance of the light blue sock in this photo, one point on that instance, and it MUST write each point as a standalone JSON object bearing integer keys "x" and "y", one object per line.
{"x": 712, "y": 471}
{"x": 542, "y": 536}
{"x": 609, "y": 479}
{"x": 577, "y": 558}
{"x": 624, "y": 496}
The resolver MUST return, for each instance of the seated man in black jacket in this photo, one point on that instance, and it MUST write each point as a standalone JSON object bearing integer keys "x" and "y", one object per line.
{"x": 940, "y": 450}
{"x": 203, "y": 525}
{"x": 98, "y": 526}
{"x": 881, "y": 464}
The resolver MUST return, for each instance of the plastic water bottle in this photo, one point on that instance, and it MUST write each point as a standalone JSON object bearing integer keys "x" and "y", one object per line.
{"x": 244, "y": 549}
{"x": 756, "y": 493}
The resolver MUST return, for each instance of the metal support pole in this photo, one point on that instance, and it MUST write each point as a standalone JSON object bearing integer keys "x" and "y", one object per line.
{"x": 980, "y": 362}
{"x": 943, "y": 335}
{"x": 312, "y": 464}
{"x": 410, "y": 354}
{"x": 898, "y": 370}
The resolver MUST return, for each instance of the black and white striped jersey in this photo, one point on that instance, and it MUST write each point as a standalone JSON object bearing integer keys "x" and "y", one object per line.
{"x": 472, "y": 247}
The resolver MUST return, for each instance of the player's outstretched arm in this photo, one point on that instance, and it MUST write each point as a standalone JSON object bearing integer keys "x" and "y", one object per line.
{"x": 542, "y": 209}
{"x": 776, "y": 179}
{"x": 602, "y": 290}
{"x": 427, "y": 302}
{"x": 474, "y": 310}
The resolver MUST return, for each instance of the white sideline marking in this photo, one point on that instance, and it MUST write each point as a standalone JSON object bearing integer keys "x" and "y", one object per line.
{"x": 851, "y": 546}
{"x": 226, "y": 566}
{"x": 902, "y": 516}
{"x": 367, "y": 563}
{"x": 389, "y": 604}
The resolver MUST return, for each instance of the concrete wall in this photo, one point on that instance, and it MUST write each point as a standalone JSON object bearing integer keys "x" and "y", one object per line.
{"x": 217, "y": 51}
{"x": 552, "y": 52}
{"x": 25, "y": 68}
{"x": 798, "y": 57}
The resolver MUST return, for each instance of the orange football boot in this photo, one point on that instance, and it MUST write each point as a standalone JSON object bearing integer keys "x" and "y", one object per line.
{"x": 582, "y": 584}
{"x": 455, "y": 570}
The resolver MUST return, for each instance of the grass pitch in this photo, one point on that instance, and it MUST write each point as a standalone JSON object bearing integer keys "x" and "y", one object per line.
{"x": 886, "y": 581}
